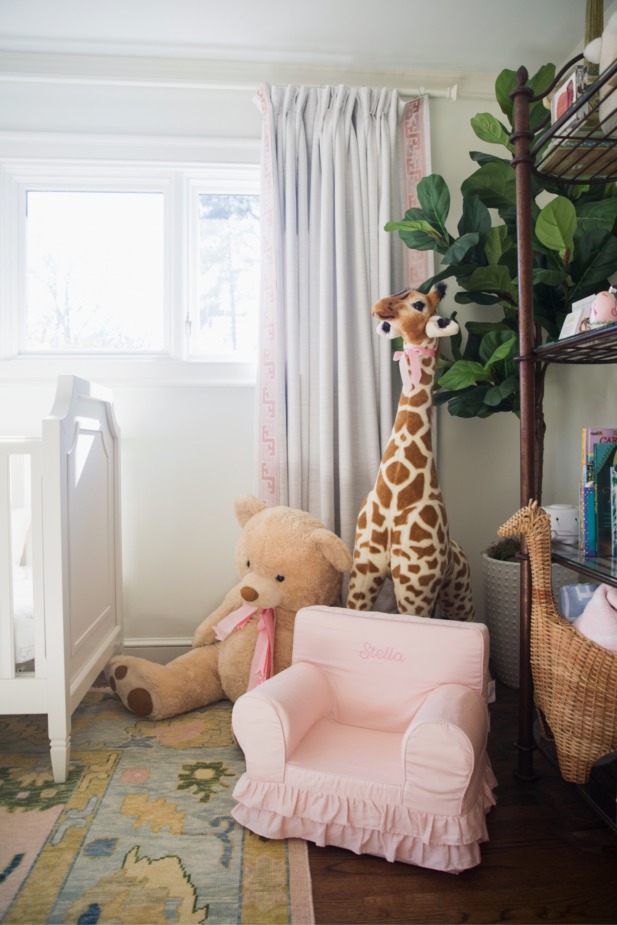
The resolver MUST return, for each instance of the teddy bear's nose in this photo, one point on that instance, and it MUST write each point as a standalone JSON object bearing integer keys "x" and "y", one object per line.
{"x": 248, "y": 593}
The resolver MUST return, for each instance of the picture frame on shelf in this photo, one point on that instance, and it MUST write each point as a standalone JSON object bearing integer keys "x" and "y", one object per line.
{"x": 576, "y": 319}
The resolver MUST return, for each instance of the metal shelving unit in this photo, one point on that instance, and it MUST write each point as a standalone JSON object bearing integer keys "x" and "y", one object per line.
{"x": 575, "y": 150}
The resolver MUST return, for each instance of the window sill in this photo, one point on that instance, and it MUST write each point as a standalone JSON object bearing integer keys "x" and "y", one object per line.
{"x": 154, "y": 372}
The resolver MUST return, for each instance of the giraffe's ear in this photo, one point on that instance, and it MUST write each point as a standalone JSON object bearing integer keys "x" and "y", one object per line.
{"x": 437, "y": 293}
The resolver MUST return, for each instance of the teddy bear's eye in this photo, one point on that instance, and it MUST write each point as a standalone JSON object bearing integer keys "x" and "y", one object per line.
{"x": 280, "y": 578}
{"x": 248, "y": 564}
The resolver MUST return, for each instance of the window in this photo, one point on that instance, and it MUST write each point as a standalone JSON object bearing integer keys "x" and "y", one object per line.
{"x": 94, "y": 272}
{"x": 225, "y": 262}
{"x": 127, "y": 261}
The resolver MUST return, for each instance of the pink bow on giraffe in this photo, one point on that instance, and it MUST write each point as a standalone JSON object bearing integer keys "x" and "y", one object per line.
{"x": 262, "y": 663}
{"x": 410, "y": 364}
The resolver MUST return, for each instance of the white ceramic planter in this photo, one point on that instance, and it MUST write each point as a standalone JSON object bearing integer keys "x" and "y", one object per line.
{"x": 501, "y": 612}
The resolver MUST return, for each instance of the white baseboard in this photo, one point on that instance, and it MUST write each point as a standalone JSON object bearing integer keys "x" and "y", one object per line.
{"x": 161, "y": 650}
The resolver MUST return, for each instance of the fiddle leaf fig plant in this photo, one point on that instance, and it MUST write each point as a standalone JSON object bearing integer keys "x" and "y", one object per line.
{"x": 574, "y": 242}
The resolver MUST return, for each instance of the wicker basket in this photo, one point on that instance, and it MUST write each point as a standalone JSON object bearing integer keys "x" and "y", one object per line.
{"x": 575, "y": 690}
{"x": 575, "y": 679}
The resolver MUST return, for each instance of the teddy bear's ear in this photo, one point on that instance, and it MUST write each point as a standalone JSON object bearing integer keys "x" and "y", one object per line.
{"x": 246, "y": 506}
{"x": 333, "y": 548}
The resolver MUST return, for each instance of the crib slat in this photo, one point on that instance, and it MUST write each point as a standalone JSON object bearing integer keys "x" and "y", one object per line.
{"x": 19, "y": 447}
{"x": 38, "y": 601}
{"x": 7, "y": 644}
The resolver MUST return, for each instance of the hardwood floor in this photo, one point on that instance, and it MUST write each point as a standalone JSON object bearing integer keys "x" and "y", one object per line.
{"x": 550, "y": 858}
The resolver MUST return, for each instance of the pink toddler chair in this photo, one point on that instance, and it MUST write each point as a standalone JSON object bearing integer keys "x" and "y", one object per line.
{"x": 374, "y": 739}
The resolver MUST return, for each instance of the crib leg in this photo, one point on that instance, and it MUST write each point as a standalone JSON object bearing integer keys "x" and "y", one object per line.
{"x": 60, "y": 756}
{"x": 59, "y": 732}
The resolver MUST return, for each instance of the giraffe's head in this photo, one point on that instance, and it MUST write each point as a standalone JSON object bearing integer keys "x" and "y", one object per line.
{"x": 530, "y": 519}
{"x": 413, "y": 316}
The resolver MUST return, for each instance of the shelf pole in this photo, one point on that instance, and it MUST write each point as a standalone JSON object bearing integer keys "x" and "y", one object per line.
{"x": 523, "y": 163}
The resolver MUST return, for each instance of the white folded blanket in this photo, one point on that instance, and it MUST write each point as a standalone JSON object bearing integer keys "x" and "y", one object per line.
{"x": 598, "y": 620}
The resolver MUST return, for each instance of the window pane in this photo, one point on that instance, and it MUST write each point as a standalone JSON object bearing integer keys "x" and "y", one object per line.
{"x": 95, "y": 272}
{"x": 225, "y": 321}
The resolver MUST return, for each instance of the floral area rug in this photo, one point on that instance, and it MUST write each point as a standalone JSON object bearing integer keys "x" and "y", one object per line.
{"x": 142, "y": 830}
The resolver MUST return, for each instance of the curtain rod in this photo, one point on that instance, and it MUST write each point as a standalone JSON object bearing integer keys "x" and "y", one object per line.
{"x": 449, "y": 93}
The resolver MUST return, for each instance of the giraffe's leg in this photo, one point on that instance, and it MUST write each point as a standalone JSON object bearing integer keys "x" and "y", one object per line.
{"x": 415, "y": 588}
{"x": 456, "y": 598}
{"x": 419, "y": 557}
{"x": 371, "y": 559}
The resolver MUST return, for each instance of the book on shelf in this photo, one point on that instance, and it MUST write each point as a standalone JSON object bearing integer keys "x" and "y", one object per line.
{"x": 588, "y": 497}
{"x": 605, "y": 460}
{"x": 614, "y": 509}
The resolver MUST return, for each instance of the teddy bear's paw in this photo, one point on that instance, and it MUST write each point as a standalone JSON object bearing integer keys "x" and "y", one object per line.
{"x": 123, "y": 683}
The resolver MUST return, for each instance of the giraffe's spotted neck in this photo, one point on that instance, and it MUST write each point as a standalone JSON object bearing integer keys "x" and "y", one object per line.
{"x": 408, "y": 466}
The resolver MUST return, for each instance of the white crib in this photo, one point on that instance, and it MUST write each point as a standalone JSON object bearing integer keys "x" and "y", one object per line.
{"x": 60, "y": 560}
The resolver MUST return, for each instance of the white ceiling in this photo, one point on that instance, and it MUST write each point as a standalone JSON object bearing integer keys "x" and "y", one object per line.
{"x": 481, "y": 36}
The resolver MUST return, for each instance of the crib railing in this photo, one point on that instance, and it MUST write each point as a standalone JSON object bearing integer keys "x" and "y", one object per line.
{"x": 16, "y": 452}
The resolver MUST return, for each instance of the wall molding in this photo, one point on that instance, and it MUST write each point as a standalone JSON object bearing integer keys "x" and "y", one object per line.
{"x": 208, "y": 75}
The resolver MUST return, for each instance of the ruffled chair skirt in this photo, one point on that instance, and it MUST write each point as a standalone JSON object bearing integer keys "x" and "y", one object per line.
{"x": 371, "y": 818}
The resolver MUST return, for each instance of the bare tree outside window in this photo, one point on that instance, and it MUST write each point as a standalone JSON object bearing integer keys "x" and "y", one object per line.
{"x": 95, "y": 272}
{"x": 228, "y": 276}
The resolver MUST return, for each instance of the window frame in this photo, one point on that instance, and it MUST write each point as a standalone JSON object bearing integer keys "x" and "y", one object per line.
{"x": 180, "y": 182}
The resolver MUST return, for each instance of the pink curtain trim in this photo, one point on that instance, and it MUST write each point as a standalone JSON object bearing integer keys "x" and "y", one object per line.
{"x": 416, "y": 163}
{"x": 268, "y": 490}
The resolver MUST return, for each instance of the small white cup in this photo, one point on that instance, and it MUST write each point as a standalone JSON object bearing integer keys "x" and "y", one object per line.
{"x": 564, "y": 523}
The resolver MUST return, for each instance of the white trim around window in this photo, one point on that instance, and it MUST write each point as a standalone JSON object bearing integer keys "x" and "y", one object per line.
{"x": 178, "y": 180}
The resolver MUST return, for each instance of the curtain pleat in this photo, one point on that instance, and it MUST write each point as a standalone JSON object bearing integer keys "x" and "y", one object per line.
{"x": 331, "y": 178}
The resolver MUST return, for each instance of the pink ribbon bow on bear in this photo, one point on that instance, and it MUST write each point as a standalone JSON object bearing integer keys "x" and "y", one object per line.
{"x": 262, "y": 663}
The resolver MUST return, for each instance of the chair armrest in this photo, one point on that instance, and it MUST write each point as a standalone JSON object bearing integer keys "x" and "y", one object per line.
{"x": 443, "y": 749}
{"x": 274, "y": 717}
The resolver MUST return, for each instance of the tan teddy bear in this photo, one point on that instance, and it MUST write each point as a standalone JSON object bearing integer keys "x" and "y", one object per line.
{"x": 287, "y": 560}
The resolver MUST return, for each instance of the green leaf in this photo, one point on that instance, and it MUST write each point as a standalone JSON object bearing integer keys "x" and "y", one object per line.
{"x": 421, "y": 241}
{"x": 494, "y": 278}
{"x": 542, "y": 79}
{"x": 591, "y": 215}
{"x": 594, "y": 262}
{"x": 490, "y": 129}
{"x": 475, "y": 217}
{"x": 462, "y": 374}
{"x": 469, "y": 404}
{"x": 496, "y": 346}
{"x": 434, "y": 197}
{"x": 502, "y": 391}
{"x": 477, "y": 298}
{"x": 549, "y": 277}
{"x": 556, "y": 224}
{"x": 416, "y": 225}
{"x": 505, "y": 83}
{"x": 494, "y": 183}
{"x": 413, "y": 214}
{"x": 483, "y": 157}
{"x": 498, "y": 242}
{"x": 461, "y": 247}
{"x": 485, "y": 327}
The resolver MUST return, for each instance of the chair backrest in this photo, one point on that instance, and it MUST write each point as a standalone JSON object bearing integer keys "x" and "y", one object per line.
{"x": 381, "y": 666}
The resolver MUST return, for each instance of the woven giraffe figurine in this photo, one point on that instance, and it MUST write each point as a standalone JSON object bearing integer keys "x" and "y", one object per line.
{"x": 402, "y": 528}
{"x": 574, "y": 678}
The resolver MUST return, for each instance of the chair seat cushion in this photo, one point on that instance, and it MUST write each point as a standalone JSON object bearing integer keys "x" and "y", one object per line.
{"x": 341, "y": 754}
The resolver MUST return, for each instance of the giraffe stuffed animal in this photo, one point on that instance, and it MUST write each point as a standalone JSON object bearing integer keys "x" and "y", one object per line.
{"x": 402, "y": 528}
